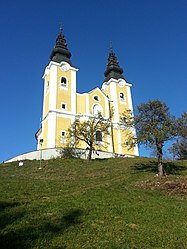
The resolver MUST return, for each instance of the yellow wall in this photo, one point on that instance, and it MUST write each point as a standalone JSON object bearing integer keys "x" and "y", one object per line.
{"x": 125, "y": 135}
{"x": 116, "y": 144}
{"x": 61, "y": 124}
{"x": 122, "y": 106}
{"x": 101, "y": 101}
{"x": 63, "y": 94}
{"x": 81, "y": 103}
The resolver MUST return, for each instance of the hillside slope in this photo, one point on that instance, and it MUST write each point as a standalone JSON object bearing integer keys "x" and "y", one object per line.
{"x": 114, "y": 203}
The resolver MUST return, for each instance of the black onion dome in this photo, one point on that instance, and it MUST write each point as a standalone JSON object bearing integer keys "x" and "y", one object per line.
{"x": 60, "y": 52}
{"x": 113, "y": 69}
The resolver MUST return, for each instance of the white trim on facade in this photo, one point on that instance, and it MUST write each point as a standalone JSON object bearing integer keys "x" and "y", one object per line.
{"x": 136, "y": 151}
{"x": 44, "y": 98}
{"x": 114, "y": 99}
{"x": 73, "y": 92}
{"x": 119, "y": 141}
{"x": 52, "y": 106}
{"x": 53, "y": 90}
{"x": 52, "y": 63}
{"x": 128, "y": 84}
{"x": 87, "y": 104}
{"x": 110, "y": 142}
{"x": 51, "y": 130}
{"x": 107, "y": 107}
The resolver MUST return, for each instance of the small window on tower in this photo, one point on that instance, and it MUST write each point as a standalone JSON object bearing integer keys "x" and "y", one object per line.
{"x": 64, "y": 106}
{"x": 63, "y": 137}
{"x": 63, "y": 82}
{"x": 122, "y": 96}
{"x": 63, "y": 133}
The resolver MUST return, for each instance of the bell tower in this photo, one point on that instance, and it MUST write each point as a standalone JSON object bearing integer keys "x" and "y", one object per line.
{"x": 118, "y": 91}
{"x": 59, "y": 102}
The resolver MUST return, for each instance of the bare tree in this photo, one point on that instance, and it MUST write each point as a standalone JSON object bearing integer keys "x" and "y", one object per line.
{"x": 87, "y": 130}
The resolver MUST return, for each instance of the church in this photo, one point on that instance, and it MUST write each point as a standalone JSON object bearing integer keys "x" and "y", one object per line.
{"x": 62, "y": 104}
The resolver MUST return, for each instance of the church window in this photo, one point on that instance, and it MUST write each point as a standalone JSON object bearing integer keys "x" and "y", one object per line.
{"x": 96, "y": 98}
{"x": 98, "y": 136}
{"x": 63, "y": 82}
{"x": 97, "y": 109}
{"x": 63, "y": 137}
{"x": 122, "y": 96}
{"x": 124, "y": 119}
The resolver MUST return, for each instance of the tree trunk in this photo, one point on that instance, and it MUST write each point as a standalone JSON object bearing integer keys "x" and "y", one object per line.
{"x": 159, "y": 157}
{"x": 90, "y": 153}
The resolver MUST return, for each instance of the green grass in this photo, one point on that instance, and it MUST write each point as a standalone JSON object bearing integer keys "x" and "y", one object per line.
{"x": 101, "y": 204}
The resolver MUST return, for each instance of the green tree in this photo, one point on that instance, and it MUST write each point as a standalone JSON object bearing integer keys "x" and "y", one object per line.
{"x": 127, "y": 124}
{"x": 85, "y": 131}
{"x": 154, "y": 126}
{"x": 179, "y": 148}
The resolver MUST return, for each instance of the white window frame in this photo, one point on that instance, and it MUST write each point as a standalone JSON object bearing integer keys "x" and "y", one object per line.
{"x": 100, "y": 107}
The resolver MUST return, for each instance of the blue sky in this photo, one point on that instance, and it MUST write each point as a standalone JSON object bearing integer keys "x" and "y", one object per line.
{"x": 149, "y": 38}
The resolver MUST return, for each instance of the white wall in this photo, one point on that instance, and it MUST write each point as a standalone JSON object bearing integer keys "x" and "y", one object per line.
{"x": 54, "y": 153}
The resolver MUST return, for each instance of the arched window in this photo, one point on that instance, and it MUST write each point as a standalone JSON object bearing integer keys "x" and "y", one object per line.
{"x": 124, "y": 119}
{"x": 98, "y": 136}
{"x": 63, "y": 82}
{"x": 122, "y": 96}
{"x": 97, "y": 109}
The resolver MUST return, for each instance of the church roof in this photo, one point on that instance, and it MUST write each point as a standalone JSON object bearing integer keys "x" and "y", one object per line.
{"x": 60, "y": 52}
{"x": 113, "y": 69}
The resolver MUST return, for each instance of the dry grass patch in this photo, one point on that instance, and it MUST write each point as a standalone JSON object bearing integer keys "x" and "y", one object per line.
{"x": 170, "y": 185}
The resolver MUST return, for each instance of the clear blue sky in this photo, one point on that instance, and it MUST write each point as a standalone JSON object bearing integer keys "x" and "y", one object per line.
{"x": 149, "y": 39}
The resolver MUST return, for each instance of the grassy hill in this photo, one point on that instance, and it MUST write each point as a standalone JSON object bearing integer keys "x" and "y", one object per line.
{"x": 72, "y": 203}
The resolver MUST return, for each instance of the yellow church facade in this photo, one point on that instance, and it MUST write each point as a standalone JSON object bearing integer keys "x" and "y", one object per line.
{"x": 62, "y": 104}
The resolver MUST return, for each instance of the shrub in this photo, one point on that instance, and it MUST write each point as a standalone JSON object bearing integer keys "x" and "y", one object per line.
{"x": 68, "y": 152}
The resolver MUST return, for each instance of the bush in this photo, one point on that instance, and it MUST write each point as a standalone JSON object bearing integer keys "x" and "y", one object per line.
{"x": 68, "y": 152}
